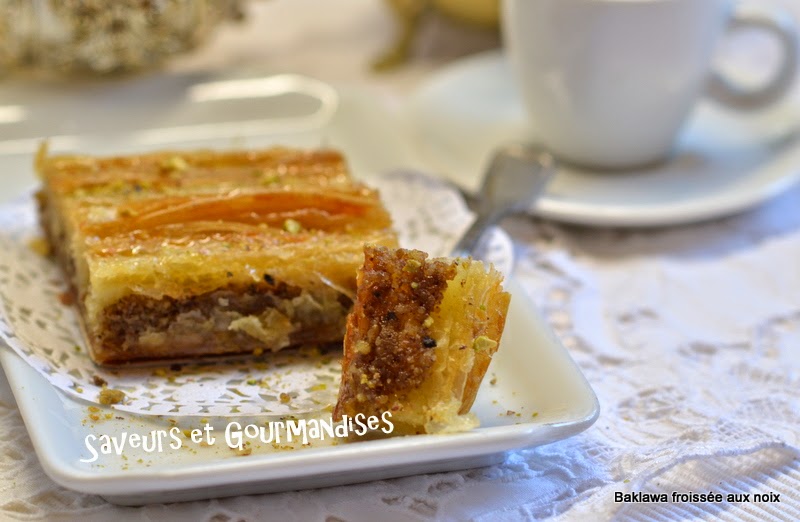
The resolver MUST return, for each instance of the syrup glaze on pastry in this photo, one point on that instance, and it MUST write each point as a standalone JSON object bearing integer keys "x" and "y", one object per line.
{"x": 184, "y": 254}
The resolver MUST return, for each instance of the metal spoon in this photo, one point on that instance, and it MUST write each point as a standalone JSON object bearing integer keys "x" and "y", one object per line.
{"x": 515, "y": 178}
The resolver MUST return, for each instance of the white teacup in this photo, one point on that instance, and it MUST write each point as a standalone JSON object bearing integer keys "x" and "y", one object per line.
{"x": 609, "y": 83}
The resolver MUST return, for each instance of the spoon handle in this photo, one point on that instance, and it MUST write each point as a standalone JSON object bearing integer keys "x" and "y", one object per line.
{"x": 516, "y": 177}
{"x": 469, "y": 242}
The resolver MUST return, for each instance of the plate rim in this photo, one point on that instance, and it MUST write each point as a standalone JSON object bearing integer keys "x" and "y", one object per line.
{"x": 381, "y": 454}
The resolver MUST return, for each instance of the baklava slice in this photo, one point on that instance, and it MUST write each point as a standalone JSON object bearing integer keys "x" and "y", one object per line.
{"x": 419, "y": 340}
{"x": 185, "y": 254}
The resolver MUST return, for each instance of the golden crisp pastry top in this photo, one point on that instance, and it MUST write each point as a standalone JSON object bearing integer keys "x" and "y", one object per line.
{"x": 177, "y": 222}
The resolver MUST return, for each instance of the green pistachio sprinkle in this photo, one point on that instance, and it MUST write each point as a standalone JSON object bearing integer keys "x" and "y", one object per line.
{"x": 292, "y": 226}
{"x": 483, "y": 343}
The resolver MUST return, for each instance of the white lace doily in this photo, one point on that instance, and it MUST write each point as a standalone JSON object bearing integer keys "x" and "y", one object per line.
{"x": 44, "y": 332}
{"x": 688, "y": 335}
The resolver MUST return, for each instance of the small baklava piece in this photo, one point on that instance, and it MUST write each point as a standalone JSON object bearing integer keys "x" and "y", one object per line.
{"x": 186, "y": 254}
{"x": 420, "y": 339}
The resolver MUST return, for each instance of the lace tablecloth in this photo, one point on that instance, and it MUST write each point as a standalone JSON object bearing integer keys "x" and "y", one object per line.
{"x": 690, "y": 337}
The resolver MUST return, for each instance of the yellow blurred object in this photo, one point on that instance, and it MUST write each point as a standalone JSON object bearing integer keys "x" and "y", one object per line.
{"x": 482, "y": 13}
{"x": 485, "y": 13}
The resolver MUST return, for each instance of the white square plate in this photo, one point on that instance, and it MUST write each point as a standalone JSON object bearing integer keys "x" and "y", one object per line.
{"x": 533, "y": 394}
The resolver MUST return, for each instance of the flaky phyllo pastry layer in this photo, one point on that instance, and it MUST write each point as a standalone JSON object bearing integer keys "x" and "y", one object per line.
{"x": 420, "y": 339}
{"x": 183, "y": 254}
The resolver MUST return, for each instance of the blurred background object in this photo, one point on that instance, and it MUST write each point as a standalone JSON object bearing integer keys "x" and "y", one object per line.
{"x": 479, "y": 12}
{"x": 103, "y": 36}
{"x": 409, "y": 13}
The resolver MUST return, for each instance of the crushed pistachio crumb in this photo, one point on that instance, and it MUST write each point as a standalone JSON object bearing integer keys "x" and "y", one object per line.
{"x": 175, "y": 163}
{"x": 483, "y": 343}
{"x": 362, "y": 347}
{"x": 270, "y": 179}
{"x": 109, "y": 396}
{"x": 414, "y": 285}
{"x": 412, "y": 265}
{"x": 428, "y": 322}
{"x": 292, "y": 226}
{"x": 285, "y": 398}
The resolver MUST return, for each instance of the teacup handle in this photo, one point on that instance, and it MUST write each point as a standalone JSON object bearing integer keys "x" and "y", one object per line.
{"x": 781, "y": 25}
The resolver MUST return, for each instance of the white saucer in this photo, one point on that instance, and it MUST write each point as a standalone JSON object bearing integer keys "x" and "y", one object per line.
{"x": 724, "y": 162}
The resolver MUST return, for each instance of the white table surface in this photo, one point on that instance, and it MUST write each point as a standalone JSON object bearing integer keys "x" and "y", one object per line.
{"x": 690, "y": 337}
